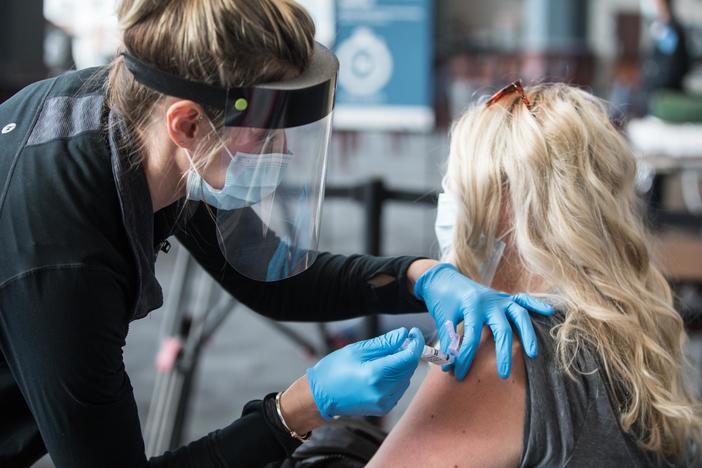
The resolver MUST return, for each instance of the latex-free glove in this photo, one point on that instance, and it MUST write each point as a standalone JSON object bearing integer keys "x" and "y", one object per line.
{"x": 449, "y": 295}
{"x": 366, "y": 378}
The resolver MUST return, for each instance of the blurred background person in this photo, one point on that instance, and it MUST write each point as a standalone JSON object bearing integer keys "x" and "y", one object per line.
{"x": 667, "y": 60}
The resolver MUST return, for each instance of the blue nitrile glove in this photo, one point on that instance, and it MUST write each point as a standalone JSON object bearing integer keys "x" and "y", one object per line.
{"x": 366, "y": 378}
{"x": 449, "y": 295}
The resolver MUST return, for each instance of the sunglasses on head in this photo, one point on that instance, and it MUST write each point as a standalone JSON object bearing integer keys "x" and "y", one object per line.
{"x": 512, "y": 88}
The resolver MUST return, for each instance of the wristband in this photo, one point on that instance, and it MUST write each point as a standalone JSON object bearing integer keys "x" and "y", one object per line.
{"x": 293, "y": 434}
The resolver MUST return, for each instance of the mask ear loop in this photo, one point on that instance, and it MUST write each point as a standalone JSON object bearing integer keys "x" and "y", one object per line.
{"x": 193, "y": 179}
{"x": 489, "y": 267}
{"x": 191, "y": 159}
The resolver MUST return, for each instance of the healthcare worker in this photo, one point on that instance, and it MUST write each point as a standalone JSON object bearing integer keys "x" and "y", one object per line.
{"x": 211, "y": 125}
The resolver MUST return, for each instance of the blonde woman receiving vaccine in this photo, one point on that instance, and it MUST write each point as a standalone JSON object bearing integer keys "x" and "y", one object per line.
{"x": 543, "y": 171}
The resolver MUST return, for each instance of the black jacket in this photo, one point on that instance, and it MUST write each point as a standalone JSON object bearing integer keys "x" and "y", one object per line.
{"x": 78, "y": 242}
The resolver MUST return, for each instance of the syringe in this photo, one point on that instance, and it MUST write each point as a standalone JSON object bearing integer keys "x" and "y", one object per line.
{"x": 435, "y": 356}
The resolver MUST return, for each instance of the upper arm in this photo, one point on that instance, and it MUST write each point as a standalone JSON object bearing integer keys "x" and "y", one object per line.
{"x": 478, "y": 422}
{"x": 62, "y": 330}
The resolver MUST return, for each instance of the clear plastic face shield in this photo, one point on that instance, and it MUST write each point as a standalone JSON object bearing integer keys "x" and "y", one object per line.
{"x": 266, "y": 182}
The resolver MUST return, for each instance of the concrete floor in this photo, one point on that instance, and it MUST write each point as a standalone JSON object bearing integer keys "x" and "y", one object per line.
{"x": 236, "y": 367}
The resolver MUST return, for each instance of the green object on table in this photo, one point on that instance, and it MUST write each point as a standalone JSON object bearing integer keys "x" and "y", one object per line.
{"x": 676, "y": 107}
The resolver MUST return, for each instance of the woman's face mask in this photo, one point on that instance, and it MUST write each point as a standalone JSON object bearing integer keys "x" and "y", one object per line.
{"x": 251, "y": 168}
{"x": 446, "y": 215}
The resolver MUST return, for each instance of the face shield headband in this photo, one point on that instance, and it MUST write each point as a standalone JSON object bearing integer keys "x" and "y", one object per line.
{"x": 307, "y": 98}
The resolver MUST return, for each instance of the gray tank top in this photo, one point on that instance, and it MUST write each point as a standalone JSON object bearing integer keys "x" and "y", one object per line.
{"x": 572, "y": 422}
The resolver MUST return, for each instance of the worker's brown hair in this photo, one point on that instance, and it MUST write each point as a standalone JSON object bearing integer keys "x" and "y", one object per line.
{"x": 219, "y": 42}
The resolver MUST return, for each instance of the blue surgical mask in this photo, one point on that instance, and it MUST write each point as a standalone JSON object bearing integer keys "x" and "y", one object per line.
{"x": 446, "y": 215}
{"x": 250, "y": 178}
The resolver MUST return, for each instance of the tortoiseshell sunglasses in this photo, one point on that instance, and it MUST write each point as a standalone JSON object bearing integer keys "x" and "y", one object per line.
{"x": 514, "y": 87}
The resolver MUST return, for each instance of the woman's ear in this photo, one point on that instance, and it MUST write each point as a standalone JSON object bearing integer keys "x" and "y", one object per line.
{"x": 184, "y": 123}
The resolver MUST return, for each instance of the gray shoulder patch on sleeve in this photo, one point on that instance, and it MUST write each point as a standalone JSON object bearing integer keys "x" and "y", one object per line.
{"x": 67, "y": 116}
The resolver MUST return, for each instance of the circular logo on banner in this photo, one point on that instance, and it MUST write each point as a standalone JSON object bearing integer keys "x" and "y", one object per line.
{"x": 366, "y": 63}
{"x": 8, "y": 128}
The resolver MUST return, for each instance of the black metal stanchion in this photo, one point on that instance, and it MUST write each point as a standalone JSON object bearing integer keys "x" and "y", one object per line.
{"x": 373, "y": 198}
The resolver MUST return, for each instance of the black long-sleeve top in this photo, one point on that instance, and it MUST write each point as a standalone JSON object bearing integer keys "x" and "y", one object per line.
{"x": 78, "y": 242}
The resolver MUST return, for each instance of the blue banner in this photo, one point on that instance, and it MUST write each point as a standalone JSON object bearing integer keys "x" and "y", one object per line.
{"x": 385, "y": 54}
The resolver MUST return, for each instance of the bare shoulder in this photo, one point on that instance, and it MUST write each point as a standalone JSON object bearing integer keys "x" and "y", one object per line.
{"x": 477, "y": 422}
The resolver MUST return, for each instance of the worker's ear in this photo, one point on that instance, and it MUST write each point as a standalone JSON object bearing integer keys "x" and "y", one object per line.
{"x": 184, "y": 121}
